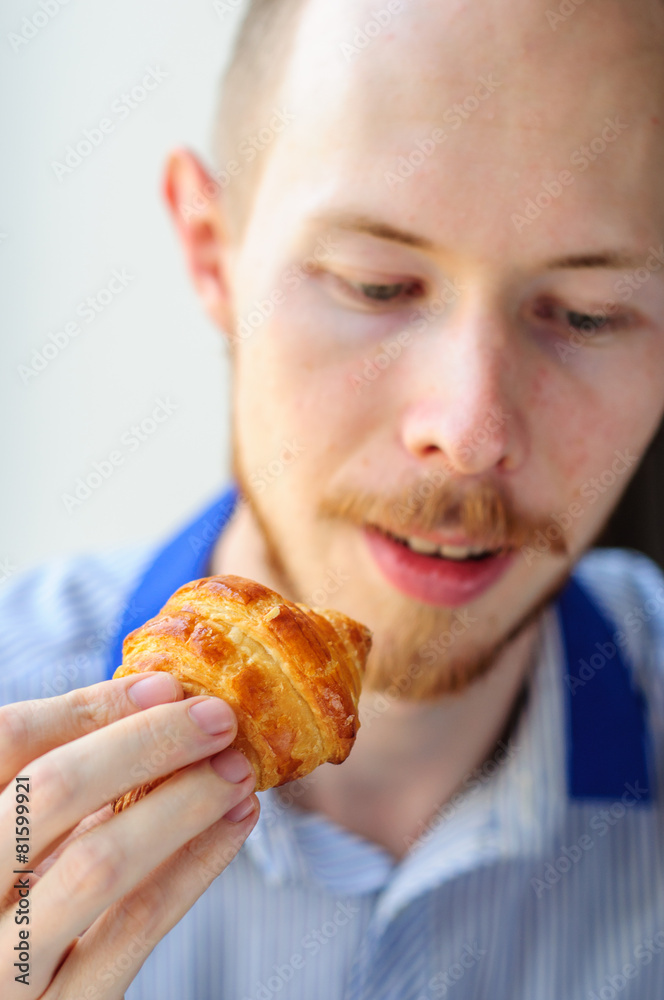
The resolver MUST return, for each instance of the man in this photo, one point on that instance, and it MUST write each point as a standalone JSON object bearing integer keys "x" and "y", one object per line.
{"x": 435, "y": 245}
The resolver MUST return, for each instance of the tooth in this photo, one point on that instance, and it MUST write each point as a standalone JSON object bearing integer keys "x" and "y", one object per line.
{"x": 421, "y": 545}
{"x": 454, "y": 551}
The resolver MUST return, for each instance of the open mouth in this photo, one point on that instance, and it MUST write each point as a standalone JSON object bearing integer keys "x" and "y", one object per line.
{"x": 446, "y": 575}
{"x": 457, "y": 553}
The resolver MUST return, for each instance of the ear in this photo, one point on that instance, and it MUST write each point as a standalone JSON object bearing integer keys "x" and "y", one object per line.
{"x": 194, "y": 200}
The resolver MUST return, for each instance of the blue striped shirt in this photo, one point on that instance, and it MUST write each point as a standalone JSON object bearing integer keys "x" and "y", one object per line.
{"x": 542, "y": 879}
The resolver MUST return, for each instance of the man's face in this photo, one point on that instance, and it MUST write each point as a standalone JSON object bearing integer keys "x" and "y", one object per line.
{"x": 444, "y": 386}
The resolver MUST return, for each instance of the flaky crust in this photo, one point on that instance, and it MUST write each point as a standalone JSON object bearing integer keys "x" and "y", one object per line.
{"x": 291, "y": 673}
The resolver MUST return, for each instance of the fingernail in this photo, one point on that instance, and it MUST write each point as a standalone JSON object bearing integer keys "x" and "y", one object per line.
{"x": 155, "y": 690}
{"x": 240, "y": 811}
{"x": 212, "y": 715}
{"x": 232, "y": 766}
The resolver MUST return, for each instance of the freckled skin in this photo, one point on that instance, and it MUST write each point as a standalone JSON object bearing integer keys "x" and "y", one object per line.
{"x": 567, "y": 416}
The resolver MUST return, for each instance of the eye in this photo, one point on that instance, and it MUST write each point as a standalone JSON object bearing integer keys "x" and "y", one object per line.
{"x": 587, "y": 322}
{"x": 374, "y": 295}
{"x": 385, "y": 293}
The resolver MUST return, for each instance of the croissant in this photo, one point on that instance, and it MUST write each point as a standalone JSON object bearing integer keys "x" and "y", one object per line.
{"x": 291, "y": 673}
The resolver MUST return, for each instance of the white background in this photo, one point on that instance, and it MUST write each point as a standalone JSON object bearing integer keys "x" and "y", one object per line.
{"x": 60, "y": 241}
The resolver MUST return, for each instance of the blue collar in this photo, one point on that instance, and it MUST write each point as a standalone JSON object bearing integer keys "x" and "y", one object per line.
{"x": 608, "y": 742}
{"x": 186, "y": 557}
{"x": 608, "y": 748}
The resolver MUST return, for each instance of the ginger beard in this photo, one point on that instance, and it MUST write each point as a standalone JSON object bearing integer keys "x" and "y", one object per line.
{"x": 401, "y": 663}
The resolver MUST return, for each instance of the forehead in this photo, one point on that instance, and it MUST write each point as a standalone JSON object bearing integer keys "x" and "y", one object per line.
{"x": 514, "y": 94}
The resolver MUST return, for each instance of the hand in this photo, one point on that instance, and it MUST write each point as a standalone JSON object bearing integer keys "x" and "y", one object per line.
{"x": 108, "y": 887}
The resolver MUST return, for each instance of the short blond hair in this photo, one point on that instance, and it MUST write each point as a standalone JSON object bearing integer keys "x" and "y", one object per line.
{"x": 250, "y": 85}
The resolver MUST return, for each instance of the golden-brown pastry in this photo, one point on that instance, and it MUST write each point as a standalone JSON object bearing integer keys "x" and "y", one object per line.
{"x": 292, "y": 674}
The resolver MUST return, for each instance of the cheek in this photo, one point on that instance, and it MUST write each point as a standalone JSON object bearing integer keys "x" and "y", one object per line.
{"x": 581, "y": 417}
{"x": 301, "y": 375}
{"x": 283, "y": 394}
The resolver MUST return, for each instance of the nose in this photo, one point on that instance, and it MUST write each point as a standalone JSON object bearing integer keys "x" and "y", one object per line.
{"x": 463, "y": 409}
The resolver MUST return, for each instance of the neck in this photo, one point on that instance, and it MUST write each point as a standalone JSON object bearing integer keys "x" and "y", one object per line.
{"x": 409, "y": 758}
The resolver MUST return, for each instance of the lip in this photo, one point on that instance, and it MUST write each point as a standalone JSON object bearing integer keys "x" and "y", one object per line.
{"x": 441, "y": 582}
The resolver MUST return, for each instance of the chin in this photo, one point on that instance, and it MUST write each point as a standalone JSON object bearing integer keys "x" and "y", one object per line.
{"x": 423, "y": 653}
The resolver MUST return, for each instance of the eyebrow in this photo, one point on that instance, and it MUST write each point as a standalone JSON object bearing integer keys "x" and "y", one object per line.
{"x": 365, "y": 224}
{"x": 607, "y": 259}
{"x": 373, "y": 227}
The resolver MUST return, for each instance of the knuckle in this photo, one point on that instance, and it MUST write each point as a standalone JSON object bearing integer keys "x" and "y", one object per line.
{"x": 157, "y": 752}
{"x": 188, "y": 799}
{"x": 91, "y": 710}
{"x": 91, "y": 867}
{"x": 196, "y": 798}
{"x": 13, "y": 731}
{"x": 211, "y": 853}
{"x": 151, "y": 730}
{"x": 142, "y": 913}
{"x": 51, "y": 785}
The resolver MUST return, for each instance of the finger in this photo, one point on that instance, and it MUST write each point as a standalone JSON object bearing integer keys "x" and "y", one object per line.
{"x": 41, "y": 865}
{"x": 74, "y": 780}
{"x": 29, "y": 729}
{"x": 102, "y": 866}
{"x": 113, "y": 950}
{"x": 47, "y": 858}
